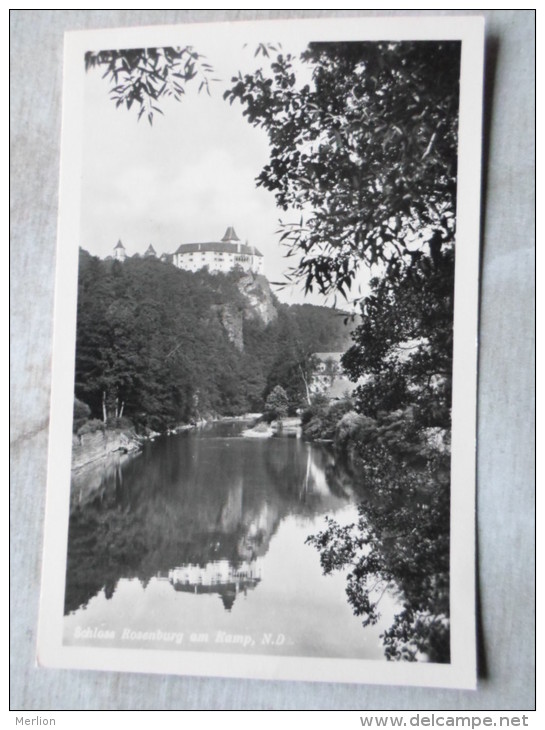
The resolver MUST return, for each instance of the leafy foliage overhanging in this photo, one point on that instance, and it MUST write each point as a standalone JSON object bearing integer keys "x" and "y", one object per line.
{"x": 145, "y": 76}
{"x": 367, "y": 152}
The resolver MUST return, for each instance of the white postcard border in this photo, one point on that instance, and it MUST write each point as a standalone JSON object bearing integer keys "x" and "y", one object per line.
{"x": 461, "y": 672}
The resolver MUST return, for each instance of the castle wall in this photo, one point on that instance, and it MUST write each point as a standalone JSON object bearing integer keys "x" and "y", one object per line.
{"x": 220, "y": 262}
{"x": 216, "y": 257}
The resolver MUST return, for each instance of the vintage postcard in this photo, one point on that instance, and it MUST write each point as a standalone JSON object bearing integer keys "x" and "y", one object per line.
{"x": 262, "y": 445}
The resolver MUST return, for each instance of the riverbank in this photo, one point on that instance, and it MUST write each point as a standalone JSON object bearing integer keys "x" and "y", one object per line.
{"x": 281, "y": 427}
{"x": 95, "y": 445}
{"x": 89, "y": 446}
{"x": 355, "y": 437}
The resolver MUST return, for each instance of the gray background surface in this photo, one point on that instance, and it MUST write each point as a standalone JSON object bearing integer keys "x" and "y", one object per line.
{"x": 506, "y": 385}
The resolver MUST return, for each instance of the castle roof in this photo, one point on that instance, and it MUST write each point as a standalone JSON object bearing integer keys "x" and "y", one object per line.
{"x": 218, "y": 247}
{"x": 230, "y": 235}
{"x": 150, "y": 251}
{"x": 119, "y": 245}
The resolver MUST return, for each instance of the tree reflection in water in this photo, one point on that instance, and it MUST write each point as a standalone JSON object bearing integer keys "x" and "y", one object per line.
{"x": 198, "y": 509}
{"x": 200, "y": 512}
{"x": 401, "y": 539}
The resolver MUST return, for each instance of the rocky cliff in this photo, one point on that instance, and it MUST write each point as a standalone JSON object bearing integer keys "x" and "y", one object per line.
{"x": 260, "y": 300}
{"x": 257, "y": 303}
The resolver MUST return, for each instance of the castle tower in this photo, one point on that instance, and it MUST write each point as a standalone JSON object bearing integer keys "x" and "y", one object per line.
{"x": 150, "y": 251}
{"x": 119, "y": 252}
{"x": 230, "y": 236}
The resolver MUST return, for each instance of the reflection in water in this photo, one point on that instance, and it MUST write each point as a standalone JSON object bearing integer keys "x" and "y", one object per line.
{"x": 211, "y": 535}
{"x": 199, "y": 543}
{"x": 200, "y": 508}
{"x": 401, "y": 538}
{"x": 218, "y": 577}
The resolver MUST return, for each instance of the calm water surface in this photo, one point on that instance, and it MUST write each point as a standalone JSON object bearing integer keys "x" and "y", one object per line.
{"x": 198, "y": 543}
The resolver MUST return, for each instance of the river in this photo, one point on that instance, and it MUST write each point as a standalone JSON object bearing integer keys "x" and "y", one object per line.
{"x": 198, "y": 542}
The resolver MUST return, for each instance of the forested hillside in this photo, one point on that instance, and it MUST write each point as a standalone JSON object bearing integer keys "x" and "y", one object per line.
{"x": 160, "y": 345}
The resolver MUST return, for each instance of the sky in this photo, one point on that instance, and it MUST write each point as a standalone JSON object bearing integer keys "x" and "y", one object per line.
{"x": 184, "y": 179}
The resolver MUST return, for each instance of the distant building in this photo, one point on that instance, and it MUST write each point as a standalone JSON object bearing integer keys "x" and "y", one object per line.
{"x": 119, "y": 252}
{"x": 222, "y": 255}
{"x": 328, "y": 377}
{"x": 328, "y": 369}
{"x": 216, "y": 256}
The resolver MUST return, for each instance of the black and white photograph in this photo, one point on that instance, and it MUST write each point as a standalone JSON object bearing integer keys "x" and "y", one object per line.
{"x": 264, "y": 370}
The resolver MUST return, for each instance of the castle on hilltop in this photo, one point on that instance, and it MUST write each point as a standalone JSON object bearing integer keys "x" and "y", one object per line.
{"x": 217, "y": 256}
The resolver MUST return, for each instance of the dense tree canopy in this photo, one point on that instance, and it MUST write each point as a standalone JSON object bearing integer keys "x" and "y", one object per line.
{"x": 151, "y": 344}
{"x": 276, "y": 405}
{"x": 400, "y": 544}
{"x": 402, "y": 351}
{"x": 367, "y": 152}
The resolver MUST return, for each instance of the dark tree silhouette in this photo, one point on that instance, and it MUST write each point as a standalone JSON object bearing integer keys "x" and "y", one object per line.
{"x": 403, "y": 347}
{"x": 399, "y": 543}
{"x": 370, "y": 149}
{"x": 145, "y": 76}
{"x": 277, "y": 403}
